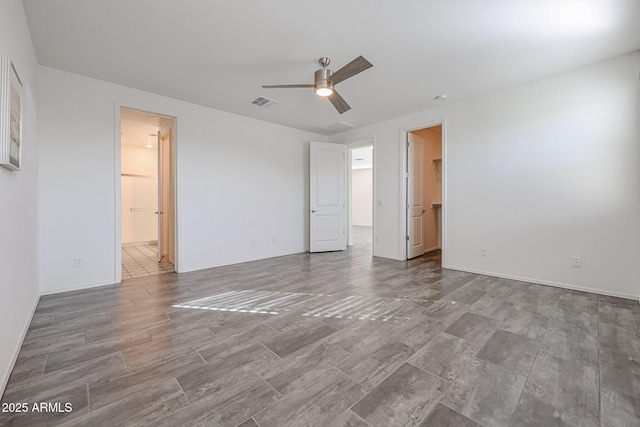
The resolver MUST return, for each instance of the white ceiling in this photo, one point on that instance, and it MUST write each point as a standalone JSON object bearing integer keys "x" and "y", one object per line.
{"x": 219, "y": 53}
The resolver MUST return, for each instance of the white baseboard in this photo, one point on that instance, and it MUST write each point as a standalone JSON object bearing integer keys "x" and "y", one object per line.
{"x": 546, "y": 282}
{"x": 25, "y": 328}
{"x": 190, "y": 269}
{"x": 77, "y": 288}
{"x": 388, "y": 256}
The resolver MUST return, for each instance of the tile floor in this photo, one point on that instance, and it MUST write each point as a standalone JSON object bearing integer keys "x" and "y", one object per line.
{"x": 141, "y": 261}
{"x": 333, "y": 339}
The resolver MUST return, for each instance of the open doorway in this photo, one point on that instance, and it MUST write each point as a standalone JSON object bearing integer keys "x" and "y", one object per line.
{"x": 147, "y": 183}
{"x": 424, "y": 193}
{"x": 360, "y": 197}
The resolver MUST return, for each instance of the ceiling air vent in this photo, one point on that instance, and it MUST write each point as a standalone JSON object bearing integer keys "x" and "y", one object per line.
{"x": 264, "y": 102}
{"x": 339, "y": 127}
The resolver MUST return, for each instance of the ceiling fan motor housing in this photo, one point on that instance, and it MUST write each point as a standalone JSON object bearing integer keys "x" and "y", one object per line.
{"x": 321, "y": 78}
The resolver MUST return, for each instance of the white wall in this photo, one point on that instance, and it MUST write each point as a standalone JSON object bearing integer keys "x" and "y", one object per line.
{"x": 239, "y": 180}
{"x": 537, "y": 173}
{"x": 362, "y": 196}
{"x": 19, "y": 198}
{"x": 139, "y": 194}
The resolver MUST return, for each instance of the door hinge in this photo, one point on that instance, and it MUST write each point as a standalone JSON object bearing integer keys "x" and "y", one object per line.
{"x": 407, "y": 238}
{"x": 407, "y": 144}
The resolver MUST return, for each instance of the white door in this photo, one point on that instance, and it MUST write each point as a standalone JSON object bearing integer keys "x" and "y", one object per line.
{"x": 415, "y": 204}
{"x": 326, "y": 197}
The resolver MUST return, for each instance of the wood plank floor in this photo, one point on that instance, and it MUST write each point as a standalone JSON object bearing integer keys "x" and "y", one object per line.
{"x": 330, "y": 339}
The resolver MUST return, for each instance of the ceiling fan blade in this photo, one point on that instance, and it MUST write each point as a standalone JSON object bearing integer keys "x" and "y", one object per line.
{"x": 339, "y": 102}
{"x": 287, "y": 86}
{"x": 354, "y": 67}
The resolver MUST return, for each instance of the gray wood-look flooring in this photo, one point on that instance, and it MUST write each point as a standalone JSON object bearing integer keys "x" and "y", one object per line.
{"x": 330, "y": 339}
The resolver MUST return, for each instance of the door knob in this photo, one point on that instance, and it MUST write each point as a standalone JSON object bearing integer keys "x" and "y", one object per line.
{"x": 159, "y": 212}
{"x": 423, "y": 211}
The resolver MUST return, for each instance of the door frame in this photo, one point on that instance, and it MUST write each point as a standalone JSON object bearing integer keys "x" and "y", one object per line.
{"x": 403, "y": 185}
{"x": 118, "y": 107}
{"x": 366, "y": 142}
{"x": 160, "y": 190}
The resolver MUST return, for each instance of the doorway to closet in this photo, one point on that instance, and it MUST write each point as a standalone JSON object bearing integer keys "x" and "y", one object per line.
{"x": 148, "y": 194}
{"x": 424, "y": 192}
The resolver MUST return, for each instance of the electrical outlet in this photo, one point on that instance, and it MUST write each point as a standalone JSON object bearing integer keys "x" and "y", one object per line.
{"x": 483, "y": 252}
{"x": 78, "y": 262}
{"x": 253, "y": 243}
{"x": 576, "y": 262}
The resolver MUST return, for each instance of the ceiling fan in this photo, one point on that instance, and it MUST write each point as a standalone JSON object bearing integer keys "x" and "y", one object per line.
{"x": 325, "y": 80}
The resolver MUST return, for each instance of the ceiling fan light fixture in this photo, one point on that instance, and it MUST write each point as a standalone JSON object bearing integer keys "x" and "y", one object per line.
{"x": 324, "y": 89}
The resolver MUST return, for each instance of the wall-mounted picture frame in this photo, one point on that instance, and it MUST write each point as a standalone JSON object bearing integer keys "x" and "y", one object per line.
{"x": 10, "y": 116}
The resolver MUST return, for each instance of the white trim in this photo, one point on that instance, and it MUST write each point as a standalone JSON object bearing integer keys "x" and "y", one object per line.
{"x": 544, "y": 282}
{"x": 393, "y": 257}
{"x": 403, "y": 184}
{"x": 16, "y": 351}
{"x": 79, "y": 287}
{"x": 118, "y": 106}
{"x": 243, "y": 261}
{"x": 348, "y": 191}
{"x": 117, "y": 170}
